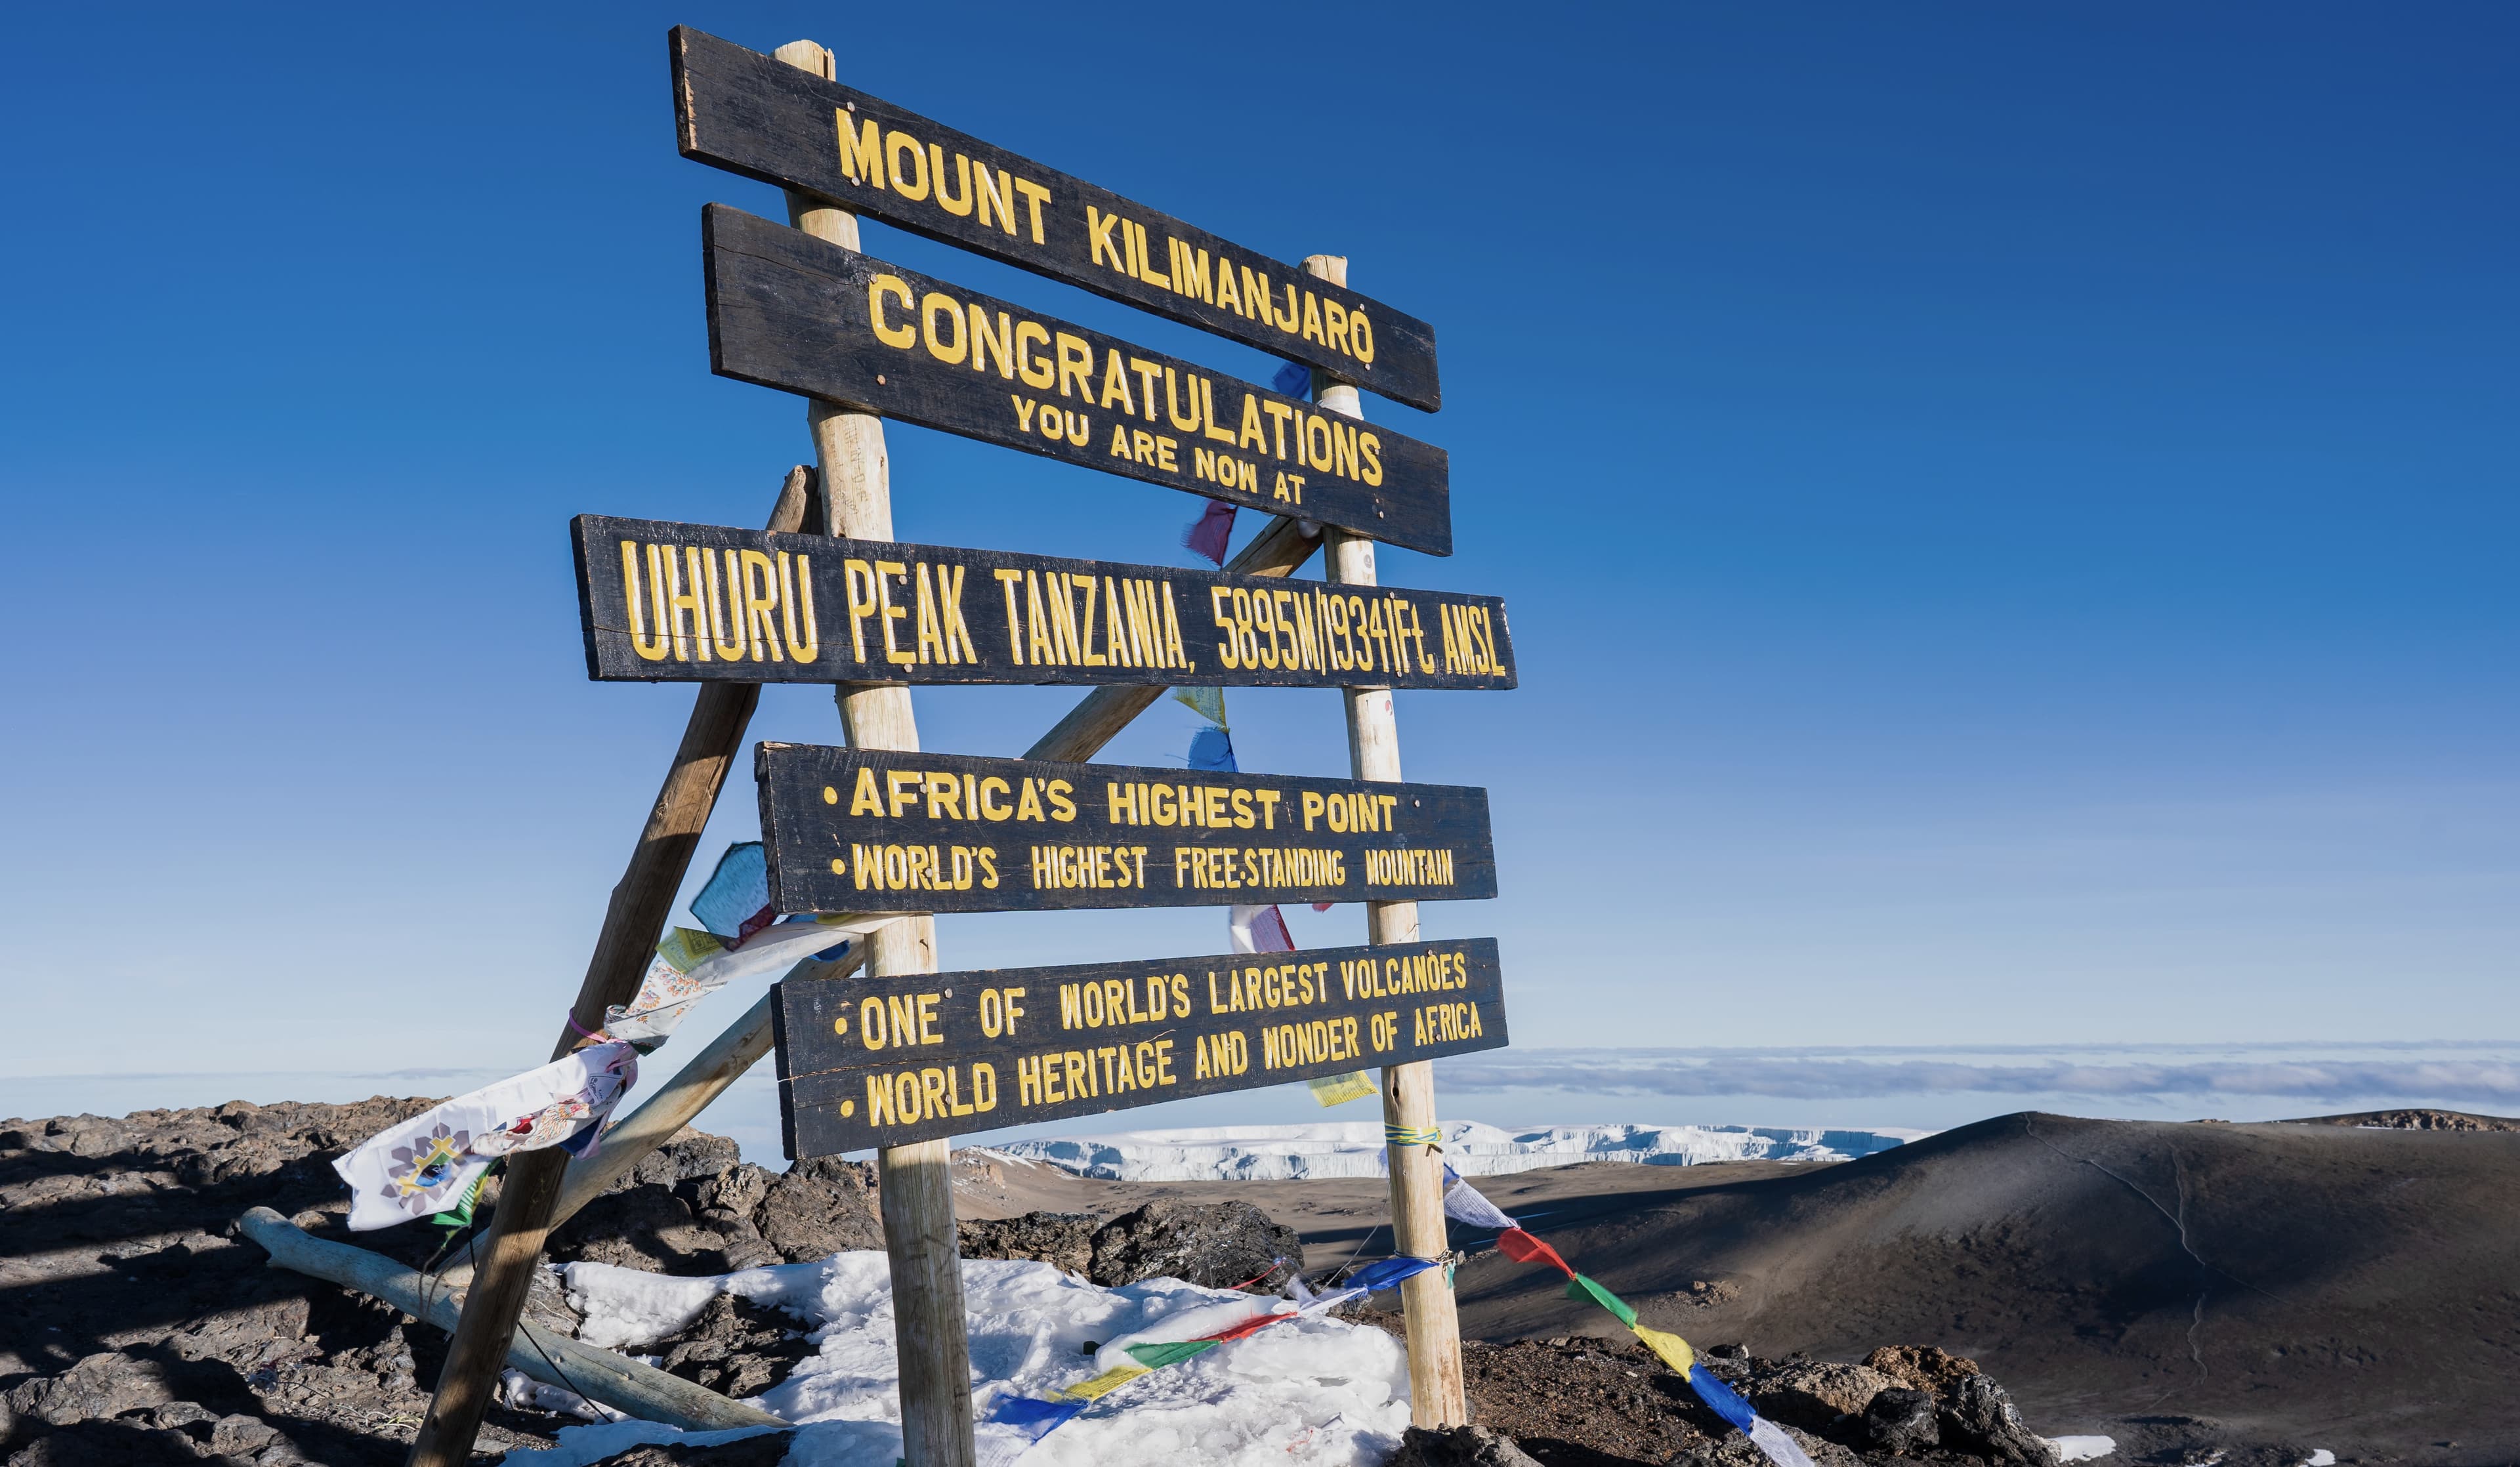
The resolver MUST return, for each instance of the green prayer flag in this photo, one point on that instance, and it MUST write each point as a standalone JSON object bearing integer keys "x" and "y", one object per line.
{"x": 1578, "y": 1288}
{"x": 1156, "y": 1357}
{"x": 460, "y": 1214}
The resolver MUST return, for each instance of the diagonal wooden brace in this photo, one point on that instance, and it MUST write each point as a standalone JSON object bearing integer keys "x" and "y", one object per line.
{"x": 640, "y": 904}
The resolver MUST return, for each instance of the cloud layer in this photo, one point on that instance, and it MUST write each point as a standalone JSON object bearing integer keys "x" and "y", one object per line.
{"x": 2443, "y": 1076}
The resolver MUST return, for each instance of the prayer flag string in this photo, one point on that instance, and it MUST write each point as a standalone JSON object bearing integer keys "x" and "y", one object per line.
{"x": 1027, "y": 1419}
{"x": 1463, "y": 1203}
{"x": 1259, "y": 929}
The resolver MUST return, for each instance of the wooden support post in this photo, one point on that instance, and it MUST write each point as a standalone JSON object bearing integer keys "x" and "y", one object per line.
{"x": 641, "y": 903}
{"x": 1435, "y": 1391}
{"x": 917, "y": 1189}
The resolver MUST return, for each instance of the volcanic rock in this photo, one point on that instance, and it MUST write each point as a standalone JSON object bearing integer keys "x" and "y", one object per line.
{"x": 1458, "y": 1447}
{"x": 144, "y": 1331}
{"x": 1063, "y": 1240}
{"x": 1977, "y": 1415}
{"x": 736, "y": 1348}
{"x": 1901, "y": 1420}
{"x": 692, "y": 1206}
{"x": 768, "y": 1449}
{"x": 2415, "y": 1120}
{"x": 1219, "y": 1246}
{"x": 1922, "y": 1367}
{"x": 1578, "y": 1402}
{"x": 99, "y": 1388}
{"x": 1812, "y": 1394}
{"x": 822, "y": 1206}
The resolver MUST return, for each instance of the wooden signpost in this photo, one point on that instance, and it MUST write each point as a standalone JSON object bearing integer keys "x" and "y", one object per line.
{"x": 689, "y": 603}
{"x": 891, "y": 1057}
{"x": 789, "y": 311}
{"x": 867, "y": 1064}
{"x": 866, "y": 830}
{"x": 744, "y": 112}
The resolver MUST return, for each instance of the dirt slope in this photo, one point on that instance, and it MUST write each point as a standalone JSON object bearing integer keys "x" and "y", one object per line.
{"x": 2341, "y": 1287}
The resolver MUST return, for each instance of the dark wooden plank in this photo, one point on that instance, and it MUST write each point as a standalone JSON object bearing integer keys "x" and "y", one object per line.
{"x": 883, "y": 1061}
{"x": 663, "y": 601}
{"x": 884, "y": 830}
{"x": 753, "y": 115}
{"x": 789, "y": 311}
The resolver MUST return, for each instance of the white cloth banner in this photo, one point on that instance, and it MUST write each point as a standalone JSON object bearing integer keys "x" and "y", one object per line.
{"x": 690, "y": 965}
{"x": 1465, "y": 1203}
{"x": 424, "y": 1165}
{"x": 1782, "y": 1450}
{"x": 1258, "y": 930}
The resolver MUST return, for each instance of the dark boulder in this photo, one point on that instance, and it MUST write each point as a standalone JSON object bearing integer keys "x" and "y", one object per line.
{"x": 1977, "y": 1416}
{"x": 1218, "y": 1246}
{"x": 650, "y": 1227}
{"x": 736, "y": 1348}
{"x": 1458, "y": 1447}
{"x": 1063, "y": 1240}
{"x": 99, "y": 1388}
{"x": 1814, "y": 1394}
{"x": 692, "y": 1206}
{"x": 819, "y": 1206}
{"x": 768, "y": 1449}
{"x": 1899, "y": 1420}
{"x": 1922, "y": 1367}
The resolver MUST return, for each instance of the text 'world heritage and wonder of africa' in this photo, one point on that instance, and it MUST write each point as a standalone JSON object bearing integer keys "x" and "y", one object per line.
{"x": 878, "y": 1062}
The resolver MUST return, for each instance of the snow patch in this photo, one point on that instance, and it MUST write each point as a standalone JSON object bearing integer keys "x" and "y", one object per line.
{"x": 1315, "y": 1391}
{"x": 1286, "y": 1153}
{"x": 627, "y": 1307}
{"x": 2081, "y": 1448}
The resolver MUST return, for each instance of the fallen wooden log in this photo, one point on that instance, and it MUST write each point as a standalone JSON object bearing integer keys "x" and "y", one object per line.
{"x": 599, "y": 1376}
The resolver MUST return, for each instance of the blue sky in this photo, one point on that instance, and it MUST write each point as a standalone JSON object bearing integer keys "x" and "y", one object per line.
{"x": 2007, "y": 515}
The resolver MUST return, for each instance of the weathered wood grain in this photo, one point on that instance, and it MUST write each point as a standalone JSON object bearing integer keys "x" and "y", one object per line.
{"x": 917, "y": 1191}
{"x": 865, "y": 1062}
{"x": 1438, "y": 1394}
{"x": 792, "y": 311}
{"x": 737, "y": 110}
{"x": 666, "y": 602}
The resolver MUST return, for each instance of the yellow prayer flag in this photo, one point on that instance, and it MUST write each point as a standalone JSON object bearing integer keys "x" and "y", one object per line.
{"x": 1109, "y": 1381}
{"x": 1674, "y": 1350}
{"x": 1339, "y": 1090}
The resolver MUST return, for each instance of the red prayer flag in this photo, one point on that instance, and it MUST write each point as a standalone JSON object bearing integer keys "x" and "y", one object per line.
{"x": 1250, "y": 1326}
{"x": 1524, "y": 1248}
